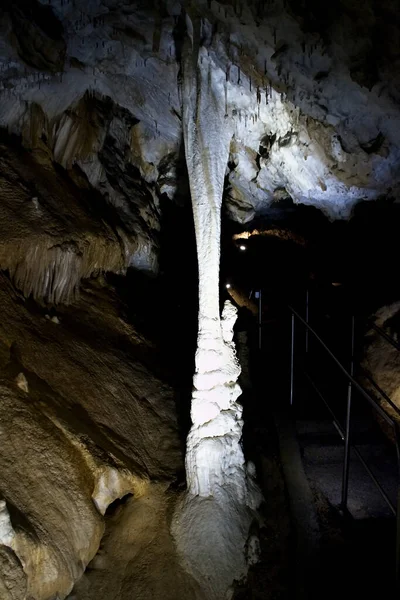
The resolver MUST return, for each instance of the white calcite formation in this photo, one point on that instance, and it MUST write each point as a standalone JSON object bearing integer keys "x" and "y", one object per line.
{"x": 317, "y": 104}
{"x": 6, "y": 529}
{"x": 212, "y": 526}
{"x": 93, "y": 86}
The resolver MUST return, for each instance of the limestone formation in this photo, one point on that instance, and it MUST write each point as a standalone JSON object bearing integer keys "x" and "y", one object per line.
{"x": 108, "y": 111}
{"x": 76, "y": 437}
{"x": 138, "y": 554}
{"x": 316, "y": 103}
{"x": 381, "y": 360}
{"x": 211, "y": 527}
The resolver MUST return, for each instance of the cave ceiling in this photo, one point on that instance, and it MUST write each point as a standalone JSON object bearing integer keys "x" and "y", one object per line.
{"x": 93, "y": 86}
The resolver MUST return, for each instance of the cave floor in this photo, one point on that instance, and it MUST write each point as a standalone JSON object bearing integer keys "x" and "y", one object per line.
{"x": 347, "y": 555}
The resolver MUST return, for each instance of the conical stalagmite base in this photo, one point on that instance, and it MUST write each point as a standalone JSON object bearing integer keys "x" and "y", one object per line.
{"x": 211, "y": 527}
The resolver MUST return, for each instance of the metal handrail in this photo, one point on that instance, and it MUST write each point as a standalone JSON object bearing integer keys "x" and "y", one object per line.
{"x": 353, "y": 381}
{"x": 345, "y": 433}
{"x": 342, "y": 434}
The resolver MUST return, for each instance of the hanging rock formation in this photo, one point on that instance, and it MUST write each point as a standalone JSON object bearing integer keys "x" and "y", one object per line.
{"x": 315, "y": 94}
{"x": 212, "y": 527}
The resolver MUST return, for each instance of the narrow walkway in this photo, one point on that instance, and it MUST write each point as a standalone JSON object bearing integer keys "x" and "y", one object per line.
{"x": 357, "y": 550}
{"x": 338, "y": 555}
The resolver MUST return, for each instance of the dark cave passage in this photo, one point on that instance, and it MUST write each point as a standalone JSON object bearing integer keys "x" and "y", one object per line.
{"x": 332, "y": 275}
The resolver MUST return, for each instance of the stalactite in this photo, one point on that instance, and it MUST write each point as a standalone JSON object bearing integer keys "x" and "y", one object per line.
{"x": 52, "y": 272}
{"x": 213, "y": 522}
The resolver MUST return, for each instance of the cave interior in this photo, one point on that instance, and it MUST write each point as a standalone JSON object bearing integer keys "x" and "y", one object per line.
{"x": 185, "y": 187}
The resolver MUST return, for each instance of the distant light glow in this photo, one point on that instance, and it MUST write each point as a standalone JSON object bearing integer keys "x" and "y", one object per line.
{"x": 228, "y": 285}
{"x": 242, "y": 247}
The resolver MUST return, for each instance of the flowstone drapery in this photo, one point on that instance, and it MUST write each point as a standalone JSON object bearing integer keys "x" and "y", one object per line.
{"x": 212, "y": 529}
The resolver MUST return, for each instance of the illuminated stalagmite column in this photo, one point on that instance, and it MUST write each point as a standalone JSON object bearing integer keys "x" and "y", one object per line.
{"x": 212, "y": 527}
{"x": 214, "y": 457}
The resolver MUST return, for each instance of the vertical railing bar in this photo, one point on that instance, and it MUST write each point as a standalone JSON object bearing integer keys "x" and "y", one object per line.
{"x": 353, "y": 382}
{"x": 346, "y": 458}
{"x": 356, "y": 385}
{"x": 292, "y": 363}
{"x": 259, "y": 320}
{"x": 307, "y": 316}
{"x": 397, "y": 440}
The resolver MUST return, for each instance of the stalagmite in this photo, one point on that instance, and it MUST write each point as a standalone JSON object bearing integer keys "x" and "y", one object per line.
{"x": 212, "y": 528}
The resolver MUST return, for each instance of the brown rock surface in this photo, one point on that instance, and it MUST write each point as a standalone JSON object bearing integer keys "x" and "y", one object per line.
{"x": 47, "y": 488}
{"x": 50, "y": 236}
{"x": 137, "y": 558}
{"x": 95, "y": 420}
{"x": 381, "y": 360}
{"x": 13, "y": 578}
{"x": 93, "y": 371}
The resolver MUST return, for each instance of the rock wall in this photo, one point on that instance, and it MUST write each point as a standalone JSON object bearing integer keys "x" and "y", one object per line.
{"x": 86, "y": 417}
{"x": 381, "y": 360}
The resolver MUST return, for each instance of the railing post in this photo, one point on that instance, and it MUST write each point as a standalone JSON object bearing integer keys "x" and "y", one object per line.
{"x": 292, "y": 363}
{"x": 307, "y": 315}
{"x": 260, "y": 320}
{"x": 346, "y": 459}
{"x": 398, "y": 540}
{"x": 346, "y": 433}
{"x": 397, "y": 438}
